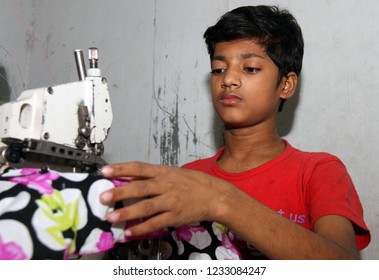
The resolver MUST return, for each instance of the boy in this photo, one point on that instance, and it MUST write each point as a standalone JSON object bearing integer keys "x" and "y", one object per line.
{"x": 258, "y": 197}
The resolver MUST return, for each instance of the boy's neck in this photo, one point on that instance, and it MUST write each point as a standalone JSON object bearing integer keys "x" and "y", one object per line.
{"x": 248, "y": 148}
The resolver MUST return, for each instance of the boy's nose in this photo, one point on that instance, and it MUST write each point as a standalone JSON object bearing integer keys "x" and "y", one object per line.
{"x": 231, "y": 79}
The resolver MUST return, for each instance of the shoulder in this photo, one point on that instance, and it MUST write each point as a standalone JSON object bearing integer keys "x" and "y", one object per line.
{"x": 321, "y": 170}
{"x": 204, "y": 164}
{"x": 312, "y": 165}
{"x": 311, "y": 158}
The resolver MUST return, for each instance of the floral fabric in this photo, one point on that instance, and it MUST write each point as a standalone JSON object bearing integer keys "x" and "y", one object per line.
{"x": 205, "y": 241}
{"x": 46, "y": 214}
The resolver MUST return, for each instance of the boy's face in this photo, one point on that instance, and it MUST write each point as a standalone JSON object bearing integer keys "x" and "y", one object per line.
{"x": 245, "y": 90}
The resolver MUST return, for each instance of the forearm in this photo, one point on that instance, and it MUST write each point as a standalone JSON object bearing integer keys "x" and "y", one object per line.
{"x": 274, "y": 235}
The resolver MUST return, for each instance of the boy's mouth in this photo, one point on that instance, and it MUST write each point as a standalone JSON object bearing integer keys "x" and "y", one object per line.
{"x": 230, "y": 98}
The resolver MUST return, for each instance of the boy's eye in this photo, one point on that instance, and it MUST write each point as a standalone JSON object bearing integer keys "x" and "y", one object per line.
{"x": 217, "y": 71}
{"x": 251, "y": 70}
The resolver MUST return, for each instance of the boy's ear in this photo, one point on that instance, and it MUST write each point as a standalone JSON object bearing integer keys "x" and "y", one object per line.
{"x": 288, "y": 85}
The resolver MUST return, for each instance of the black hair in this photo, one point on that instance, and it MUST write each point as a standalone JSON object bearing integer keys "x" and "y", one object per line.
{"x": 276, "y": 30}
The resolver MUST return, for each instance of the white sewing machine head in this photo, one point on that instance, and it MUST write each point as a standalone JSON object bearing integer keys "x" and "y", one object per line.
{"x": 62, "y": 125}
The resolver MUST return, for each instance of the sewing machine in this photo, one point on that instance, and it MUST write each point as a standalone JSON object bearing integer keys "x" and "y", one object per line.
{"x": 63, "y": 126}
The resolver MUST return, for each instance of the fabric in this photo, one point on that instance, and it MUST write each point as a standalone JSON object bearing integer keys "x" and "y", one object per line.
{"x": 311, "y": 185}
{"x": 45, "y": 214}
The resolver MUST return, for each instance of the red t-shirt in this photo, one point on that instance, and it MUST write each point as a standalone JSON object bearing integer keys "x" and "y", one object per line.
{"x": 301, "y": 186}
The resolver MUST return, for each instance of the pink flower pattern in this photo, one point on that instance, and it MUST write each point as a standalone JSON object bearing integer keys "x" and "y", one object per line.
{"x": 119, "y": 182}
{"x": 186, "y": 232}
{"x": 105, "y": 242}
{"x": 11, "y": 251}
{"x": 36, "y": 180}
{"x": 228, "y": 244}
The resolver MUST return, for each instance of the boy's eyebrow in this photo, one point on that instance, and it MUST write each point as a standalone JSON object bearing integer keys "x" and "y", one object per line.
{"x": 249, "y": 55}
{"x": 242, "y": 55}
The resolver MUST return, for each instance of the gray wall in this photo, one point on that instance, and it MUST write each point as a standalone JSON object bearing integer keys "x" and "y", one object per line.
{"x": 157, "y": 67}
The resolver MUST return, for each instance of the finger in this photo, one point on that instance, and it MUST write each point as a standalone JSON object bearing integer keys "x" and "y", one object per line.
{"x": 151, "y": 225}
{"x": 132, "y": 190}
{"x": 141, "y": 209}
{"x": 132, "y": 170}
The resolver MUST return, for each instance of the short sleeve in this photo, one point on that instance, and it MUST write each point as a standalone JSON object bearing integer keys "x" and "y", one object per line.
{"x": 332, "y": 192}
